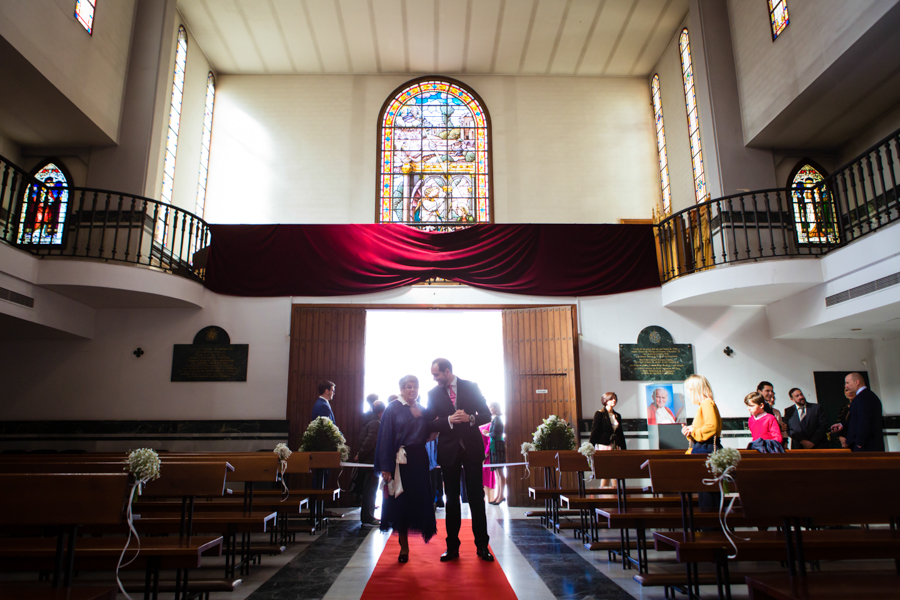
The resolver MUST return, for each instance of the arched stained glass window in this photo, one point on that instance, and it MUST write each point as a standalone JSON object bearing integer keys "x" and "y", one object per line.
{"x": 434, "y": 156}
{"x": 84, "y": 13}
{"x": 693, "y": 115}
{"x": 815, "y": 221}
{"x": 778, "y": 16}
{"x": 174, "y": 116}
{"x": 44, "y": 212}
{"x": 661, "y": 146}
{"x": 205, "y": 142}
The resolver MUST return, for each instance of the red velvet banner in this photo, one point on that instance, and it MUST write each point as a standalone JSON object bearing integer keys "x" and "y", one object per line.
{"x": 339, "y": 260}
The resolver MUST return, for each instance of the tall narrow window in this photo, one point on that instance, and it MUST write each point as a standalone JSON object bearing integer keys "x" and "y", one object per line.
{"x": 45, "y": 208}
{"x": 815, "y": 221}
{"x": 661, "y": 146}
{"x": 204, "y": 143}
{"x": 84, "y": 13}
{"x": 778, "y": 16}
{"x": 693, "y": 116}
{"x": 434, "y": 156}
{"x": 174, "y": 116}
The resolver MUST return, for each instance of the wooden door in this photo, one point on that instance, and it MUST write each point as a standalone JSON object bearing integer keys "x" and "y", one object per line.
{"x": 327, "y": 343}
{"x": 542, "y": 379}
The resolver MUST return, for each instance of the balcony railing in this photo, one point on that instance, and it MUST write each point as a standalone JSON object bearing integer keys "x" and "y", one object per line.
{"x": 801, "y": 221}
{"x": 98, "y": 224}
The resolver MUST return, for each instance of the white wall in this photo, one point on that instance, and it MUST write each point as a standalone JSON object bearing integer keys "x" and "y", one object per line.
{"x": 101, "y": 378}
{"x": 301, "y": 149}
{"x": 773, "y": 74}
{"x": 89, "y": 69}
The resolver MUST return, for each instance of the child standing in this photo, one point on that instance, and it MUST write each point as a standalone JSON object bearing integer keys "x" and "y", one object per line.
{"x": 763, "y": 426}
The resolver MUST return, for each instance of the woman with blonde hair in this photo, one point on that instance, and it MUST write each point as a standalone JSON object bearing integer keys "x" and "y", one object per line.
{"x": 706, "y": 429}
{"x": 704, "y": 432}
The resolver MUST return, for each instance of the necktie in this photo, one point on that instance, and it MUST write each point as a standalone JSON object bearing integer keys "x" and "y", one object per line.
{"x": 802, "y": 412}
{"x": 452, "y": 395}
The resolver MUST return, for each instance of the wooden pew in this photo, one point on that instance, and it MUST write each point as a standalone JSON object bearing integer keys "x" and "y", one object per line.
{"x": 183, "y": 480}
{"x": 692, "y": 547}
{"x": 546, "y": 462}
{"x": 866, "y": 491}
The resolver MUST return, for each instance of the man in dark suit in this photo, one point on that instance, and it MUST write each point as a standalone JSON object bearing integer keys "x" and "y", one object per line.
{"x": 322, "y": 407}
{"x": 806, "y": 422}
{"x": 460, "y": 408}
{"x": 865, "y": 424}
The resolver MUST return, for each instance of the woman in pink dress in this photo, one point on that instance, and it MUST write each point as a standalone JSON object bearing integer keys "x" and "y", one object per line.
{"x": 487, "y": 473}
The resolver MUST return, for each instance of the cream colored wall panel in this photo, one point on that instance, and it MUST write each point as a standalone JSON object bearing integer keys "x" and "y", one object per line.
{"x": 300, "y": 43}
{"x": 582, "y": 15}
{"x": 196, "y": 15}
{"x": 451, "y": 35}
{"x": 89, "y": 70}
{"x": 482, "y": 35}
{"x": 324, "y": 21}
{"x": 391, "y": 43}
{"x": 359, "y": 31}
{"x": 230, "y": 19}
{"x": 516, "y": 16}
{"x": 602, "y": 43}
{"x": 773, "y": 74}
{"x": 267, "y": 36}
{"x": 543, "y": 36}
{"x": 674, "y": 12}
{"x": 635, "y": 37}
{"x": 421, "y": 26}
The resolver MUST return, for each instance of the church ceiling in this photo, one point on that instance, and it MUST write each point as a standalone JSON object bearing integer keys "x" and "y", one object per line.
{"x": 490, "y": 37}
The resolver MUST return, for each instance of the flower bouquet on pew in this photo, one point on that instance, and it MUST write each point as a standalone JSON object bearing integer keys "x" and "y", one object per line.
{"x": 552, "y": 434}
{"x": 587, "y": 449}
{"x": 283, "y": 453}
{"x": 722, "y": 464}
{"x": 322, "y": 435}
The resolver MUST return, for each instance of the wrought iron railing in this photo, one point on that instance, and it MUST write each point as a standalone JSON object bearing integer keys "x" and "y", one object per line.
{"x": 99, "y": 224}
{"x": 800, "y": 221}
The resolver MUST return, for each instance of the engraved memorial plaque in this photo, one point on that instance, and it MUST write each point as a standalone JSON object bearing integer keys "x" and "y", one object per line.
{"x": 655, "y": 357}
{"x": 212, "y": 357}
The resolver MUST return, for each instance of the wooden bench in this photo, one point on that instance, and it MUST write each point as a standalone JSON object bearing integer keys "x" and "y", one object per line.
{"x": 692, "y": 547}
{"x": 546, "y": 462}
{"x": 863, "y": 489}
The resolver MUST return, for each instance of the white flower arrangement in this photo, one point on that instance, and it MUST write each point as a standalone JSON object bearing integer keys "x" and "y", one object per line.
{"x": 282, "y": 451}
{"x": 554, "y": 434}
{"x": 143, "y": 463}
{"x": 526, "y": 448}
{"x": 322, "y": 435}
{"x": 587, "y": 449}
{"x": 721, "y": 460}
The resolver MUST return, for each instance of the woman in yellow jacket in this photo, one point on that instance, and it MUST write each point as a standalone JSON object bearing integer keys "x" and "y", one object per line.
{"x": 706, "y": 429}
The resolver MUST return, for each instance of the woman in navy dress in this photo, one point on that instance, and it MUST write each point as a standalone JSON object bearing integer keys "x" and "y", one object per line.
{"x": 402, "y": 436}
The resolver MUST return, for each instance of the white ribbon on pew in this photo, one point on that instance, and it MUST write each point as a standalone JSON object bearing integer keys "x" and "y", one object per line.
{"x": 726, "y": 477}
{"x": 129, "y": 516}
{"x": 280, "y": 477}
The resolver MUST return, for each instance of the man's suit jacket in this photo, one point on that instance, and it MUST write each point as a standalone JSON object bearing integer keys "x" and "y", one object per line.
{"x": 321, "y": 409}
{"x": 814, "y": 426}
{"x": 865, "y": 425}
{"x": 469, "y": 399}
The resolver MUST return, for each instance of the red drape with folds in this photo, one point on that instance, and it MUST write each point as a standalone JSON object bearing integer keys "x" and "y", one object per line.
{"x": 339, "y": 260}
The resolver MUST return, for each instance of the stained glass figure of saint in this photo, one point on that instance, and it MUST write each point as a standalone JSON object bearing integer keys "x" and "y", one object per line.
{"x": 814, "y": 218}
{"x": 44, "y": 211}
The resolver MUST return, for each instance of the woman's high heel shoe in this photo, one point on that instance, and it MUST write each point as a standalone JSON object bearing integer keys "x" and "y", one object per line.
{"x": 403, "y": 558}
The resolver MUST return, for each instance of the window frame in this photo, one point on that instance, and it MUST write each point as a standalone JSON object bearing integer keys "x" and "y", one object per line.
{"x": 379, "y": 146}
{"x": 93, "y": 5}
{"x": 772, "y": 4}
{"x": 662, "y": 154}
{"x": 684, "y": 43}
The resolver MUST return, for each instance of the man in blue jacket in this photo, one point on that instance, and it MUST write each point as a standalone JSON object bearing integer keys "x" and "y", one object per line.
{"x": 865, "y": 425}
{"x": 322, "y": 407}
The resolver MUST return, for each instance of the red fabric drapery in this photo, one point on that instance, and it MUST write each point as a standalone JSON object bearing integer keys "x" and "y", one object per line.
{"x": 339, "y": 260}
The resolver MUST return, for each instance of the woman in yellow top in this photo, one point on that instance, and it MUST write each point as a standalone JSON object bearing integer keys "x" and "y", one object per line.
{"x": 705, "y": 431}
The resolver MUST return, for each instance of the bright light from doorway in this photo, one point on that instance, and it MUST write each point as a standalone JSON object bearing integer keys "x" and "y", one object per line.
{"x": 402, "y": 342}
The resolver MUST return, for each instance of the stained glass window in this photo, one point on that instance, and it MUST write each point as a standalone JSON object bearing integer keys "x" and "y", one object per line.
{"x": 434, "y": 157}
{"x": 174, "y": 116}
{"x": 205, "y": 141}
{"x": 84, "y": 13}
{"x": 44, "y": 212}
{"x": 661, "y": 146}
{"x": 815, "y": 221}
{"x": 778, "y": 15}
{"x": 693, "y": 116}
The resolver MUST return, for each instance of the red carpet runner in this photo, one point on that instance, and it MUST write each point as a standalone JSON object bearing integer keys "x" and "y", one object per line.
{"x": 467, "y": 577}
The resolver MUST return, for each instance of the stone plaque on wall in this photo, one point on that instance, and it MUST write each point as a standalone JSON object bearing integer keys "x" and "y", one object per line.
{"x": 212, "y": 357}
{"x": 655, "y": 357}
